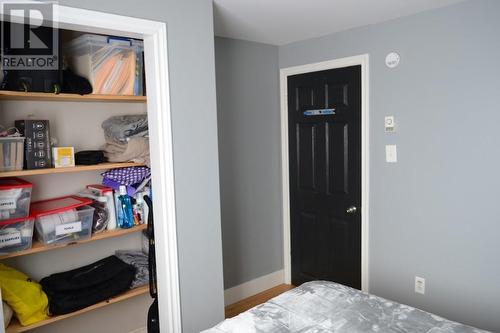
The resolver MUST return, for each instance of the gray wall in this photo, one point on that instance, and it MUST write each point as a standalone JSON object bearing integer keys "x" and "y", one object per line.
{"x": 249, "y": 155}
{"x": 192, "y": 85}
{"x": 435, "y": 213}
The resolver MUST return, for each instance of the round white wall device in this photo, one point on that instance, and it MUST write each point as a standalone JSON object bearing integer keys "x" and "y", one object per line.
{"x": 392, "y": 60}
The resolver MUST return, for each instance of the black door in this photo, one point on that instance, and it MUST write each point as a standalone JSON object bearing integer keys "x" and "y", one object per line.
{"x": 324, "y": 112}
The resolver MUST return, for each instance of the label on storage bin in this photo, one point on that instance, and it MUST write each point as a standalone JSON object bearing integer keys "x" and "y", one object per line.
{"x": 26, "y": 232}
{"x": 11, "y": 238}
{"x": 7, "y": 204}
{"x": 68, "y": 228}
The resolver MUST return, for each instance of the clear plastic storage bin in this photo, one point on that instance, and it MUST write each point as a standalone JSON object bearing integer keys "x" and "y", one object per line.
{"x": 16, "y": 235}
{"x": 112, "y": 65}
{"x": 15, "y": 197}
{"x": 11, "y": 154}
{"x": 63, "y": 220}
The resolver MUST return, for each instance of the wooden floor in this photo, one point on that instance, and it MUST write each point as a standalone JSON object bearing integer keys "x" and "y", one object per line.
{"x": 248, "y": 303}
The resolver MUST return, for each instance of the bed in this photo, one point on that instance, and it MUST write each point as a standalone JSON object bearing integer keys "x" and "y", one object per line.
{"x": 320, "y": 307}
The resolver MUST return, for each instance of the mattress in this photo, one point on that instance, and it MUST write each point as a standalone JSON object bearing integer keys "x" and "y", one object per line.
{"x": 320, "y": 307}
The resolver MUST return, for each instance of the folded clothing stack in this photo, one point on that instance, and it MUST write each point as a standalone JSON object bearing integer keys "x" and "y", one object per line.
{"x": 121, "y": 128}
{"x": 127, "y": 139}
{"x": 140, "y": 261}
{"x": 135, "y": 150}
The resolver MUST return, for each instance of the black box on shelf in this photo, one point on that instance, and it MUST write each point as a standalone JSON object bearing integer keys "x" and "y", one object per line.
{"x": 37, "y": 154}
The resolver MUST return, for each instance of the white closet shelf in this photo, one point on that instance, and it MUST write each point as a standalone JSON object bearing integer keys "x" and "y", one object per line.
{"x": 37, "y": 96}
{"x": 78, "y": 168}
{"x": 15, "y": 327}
{"x": 39, "y": 247}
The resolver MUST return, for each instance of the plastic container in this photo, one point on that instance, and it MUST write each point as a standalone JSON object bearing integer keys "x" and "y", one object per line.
{"x": 101, "y": 214}
{"x": 15, "y": 198}
{"x": 63, "y": 220}
{"x": 113, "y": 65}
{"x": 139, "y": 208}
{"x": 108, "y": 193}
{"x": 141, "y": 83}
{"x": 11, "y": 153}
{"x": 16, "y": 235}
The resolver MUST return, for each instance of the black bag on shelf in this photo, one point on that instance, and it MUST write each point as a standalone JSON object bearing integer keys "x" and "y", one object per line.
{"x": 75, "y": 84}
{"x": 76, "y": 289}
{"x": 89, "y": 157}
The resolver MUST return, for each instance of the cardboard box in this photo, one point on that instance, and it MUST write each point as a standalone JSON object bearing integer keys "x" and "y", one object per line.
{"x": 63, "y": 157}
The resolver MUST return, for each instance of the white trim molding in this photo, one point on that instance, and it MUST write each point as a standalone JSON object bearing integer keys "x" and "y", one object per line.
{"x": 154, "y": 35}
{"x": 140, "y": 330}
{"x": 362, "y": 60}
{"x": 253, "y": 287}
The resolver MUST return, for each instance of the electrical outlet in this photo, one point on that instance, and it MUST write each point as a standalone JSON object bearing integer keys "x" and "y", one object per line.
{"x": 419, "y": 285}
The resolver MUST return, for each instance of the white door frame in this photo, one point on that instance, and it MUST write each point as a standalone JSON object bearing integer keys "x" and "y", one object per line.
{"x": 154, "y": 35}
{"x": 362, "y": 60}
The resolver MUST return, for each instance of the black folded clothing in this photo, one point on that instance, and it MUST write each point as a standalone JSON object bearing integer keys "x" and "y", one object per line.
{"x": 76, "y": 289}
{"x": 89, "y": 157}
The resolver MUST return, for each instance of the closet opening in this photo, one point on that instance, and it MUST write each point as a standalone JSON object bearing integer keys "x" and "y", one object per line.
{"x": 65, "y": 195}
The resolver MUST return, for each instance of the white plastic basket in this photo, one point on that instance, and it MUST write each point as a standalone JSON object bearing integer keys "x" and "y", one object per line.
{"x": 11, "y": 153}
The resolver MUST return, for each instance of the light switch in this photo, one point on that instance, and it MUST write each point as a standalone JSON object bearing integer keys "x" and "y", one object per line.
{"x": 391, "y": 154}
{"x": 419, "y": 285}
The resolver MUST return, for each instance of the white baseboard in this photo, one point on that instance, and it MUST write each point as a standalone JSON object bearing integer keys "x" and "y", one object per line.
{"x": 250, "y": 288}
{"x": 140, "y": 330}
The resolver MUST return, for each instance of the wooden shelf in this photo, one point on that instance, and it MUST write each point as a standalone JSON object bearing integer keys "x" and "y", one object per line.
{"x": 40, "y": 247}
{"x": 15, "y": 327}
{"x": 78, "y": 168}
{"x": 36, "y": 96}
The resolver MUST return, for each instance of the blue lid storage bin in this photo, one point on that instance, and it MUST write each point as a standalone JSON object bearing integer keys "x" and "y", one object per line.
{"x": 113, "y": 65}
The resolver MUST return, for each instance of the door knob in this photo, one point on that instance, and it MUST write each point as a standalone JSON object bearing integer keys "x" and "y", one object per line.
{"x": 351, "y": 210}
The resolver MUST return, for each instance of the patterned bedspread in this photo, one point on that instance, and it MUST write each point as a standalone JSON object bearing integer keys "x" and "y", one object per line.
{"x": 320, "y": 307}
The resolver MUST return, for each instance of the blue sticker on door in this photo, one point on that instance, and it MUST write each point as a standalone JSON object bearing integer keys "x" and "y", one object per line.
{"x": 319, "y": 112}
